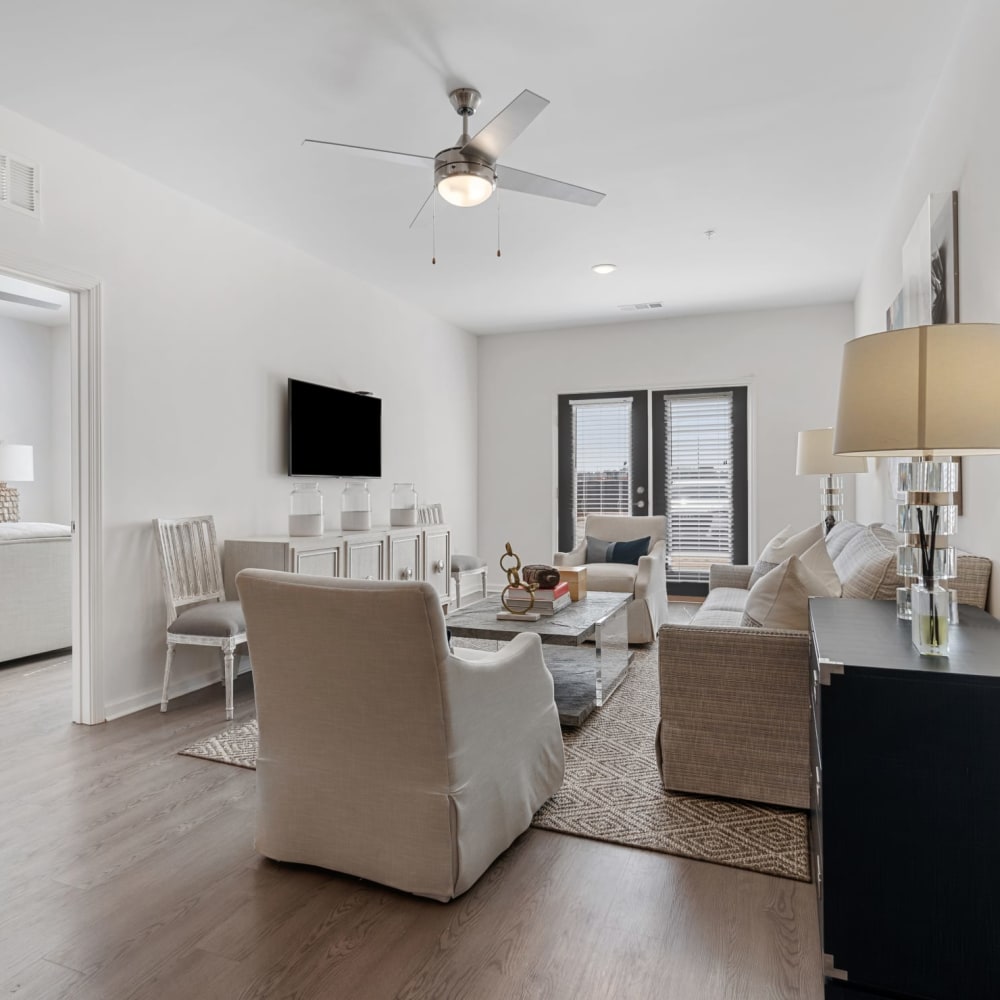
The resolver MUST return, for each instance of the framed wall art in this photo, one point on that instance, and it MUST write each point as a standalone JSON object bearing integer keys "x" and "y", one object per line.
{"x": 929, "y": 293}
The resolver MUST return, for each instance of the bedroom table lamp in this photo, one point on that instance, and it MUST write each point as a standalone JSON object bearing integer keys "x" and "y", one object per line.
{"x": 814, "y": 457}
{"x": 16, "y": 466}
{"x": 928, "y": 393}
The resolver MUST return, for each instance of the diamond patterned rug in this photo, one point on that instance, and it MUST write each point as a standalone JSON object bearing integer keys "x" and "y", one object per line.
{"x": 612, "y": 789}
{"x": 236, "y": 746}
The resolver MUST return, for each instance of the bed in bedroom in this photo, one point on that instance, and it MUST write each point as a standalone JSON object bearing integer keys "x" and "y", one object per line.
{"x": 35, "y": 588}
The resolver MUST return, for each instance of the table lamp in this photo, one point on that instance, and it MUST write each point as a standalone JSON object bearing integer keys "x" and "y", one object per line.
{"x": 815, "y": 457}
{"x": 16, "y": 466}
{"x": 928, "y": 393}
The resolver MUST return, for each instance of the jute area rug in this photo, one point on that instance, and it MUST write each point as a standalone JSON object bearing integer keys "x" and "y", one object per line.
{"x": 612, "y": 789}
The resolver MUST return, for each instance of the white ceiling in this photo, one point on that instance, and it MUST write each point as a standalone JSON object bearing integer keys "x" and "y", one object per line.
{"x": 780, "y": 124}
{"x": 33, "y": 303}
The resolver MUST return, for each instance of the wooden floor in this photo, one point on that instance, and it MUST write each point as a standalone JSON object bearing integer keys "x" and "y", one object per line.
{"x": 127, "y": 871}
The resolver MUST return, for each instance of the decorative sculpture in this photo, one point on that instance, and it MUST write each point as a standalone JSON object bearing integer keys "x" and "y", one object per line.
{"x": 514, "y": 580}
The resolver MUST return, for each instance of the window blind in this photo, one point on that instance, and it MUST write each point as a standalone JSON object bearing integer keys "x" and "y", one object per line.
{"x": 602, "y": 442}
{"x": 698, "y": 484}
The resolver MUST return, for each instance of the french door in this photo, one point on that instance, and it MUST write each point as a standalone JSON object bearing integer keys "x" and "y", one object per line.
{"x": 603, "y": 450}
{"x": 695, "y": 473}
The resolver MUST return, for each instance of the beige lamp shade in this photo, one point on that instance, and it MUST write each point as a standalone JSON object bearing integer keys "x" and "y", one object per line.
{"x": 16, "y": 463}
{"x": 923, "y": 390}
{"x": 815, "y": 456}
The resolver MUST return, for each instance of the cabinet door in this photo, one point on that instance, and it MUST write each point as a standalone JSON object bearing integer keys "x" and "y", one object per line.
{"x": 404, "y": 556}
{"x": 365, "y": 559}
{"x": 437, "y": 561}
{"x": 318, "y": 562}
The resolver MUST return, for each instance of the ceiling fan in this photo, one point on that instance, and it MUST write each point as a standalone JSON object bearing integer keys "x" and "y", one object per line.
{"x": 467, "y": 173}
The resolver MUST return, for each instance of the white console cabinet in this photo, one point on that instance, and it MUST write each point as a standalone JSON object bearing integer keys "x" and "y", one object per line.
{"x": 419, "y": 553}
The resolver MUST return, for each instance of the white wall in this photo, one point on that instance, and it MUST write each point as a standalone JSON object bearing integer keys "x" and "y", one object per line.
{"x": 61, "y": 467}
{"x": 32, "y": 399}
{"x": 204, "y": 319}
{"x": 958, "y": 148}
{"x": 789, "y": 358}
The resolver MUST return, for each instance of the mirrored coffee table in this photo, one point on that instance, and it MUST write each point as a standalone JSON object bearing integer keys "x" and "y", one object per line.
{"x": 585, "y": 646}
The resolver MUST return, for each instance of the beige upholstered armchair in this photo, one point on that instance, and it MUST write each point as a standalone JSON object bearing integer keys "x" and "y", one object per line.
{"x": 382, "y": 753}
{"x": 647, "y": 582}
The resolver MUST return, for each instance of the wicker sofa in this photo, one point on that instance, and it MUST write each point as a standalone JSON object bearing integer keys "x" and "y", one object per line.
{"x": 734, "y": 700}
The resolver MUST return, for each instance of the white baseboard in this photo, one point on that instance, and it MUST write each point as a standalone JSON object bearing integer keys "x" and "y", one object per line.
{"x": 193, "y": 682}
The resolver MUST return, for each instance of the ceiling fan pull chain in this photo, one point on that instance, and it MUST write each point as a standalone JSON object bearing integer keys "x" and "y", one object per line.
{"x": 434, "y": 259}
{"x": 498, "y": 221}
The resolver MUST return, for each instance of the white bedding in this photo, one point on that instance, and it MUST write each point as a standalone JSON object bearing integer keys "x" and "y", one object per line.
{"x": 35, "y": 588}
{"x": 17, "y": 530}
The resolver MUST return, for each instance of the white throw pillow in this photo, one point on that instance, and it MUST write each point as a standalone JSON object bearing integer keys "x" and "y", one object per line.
{"x": 817, "y": 559}
{"x": 780, "y": 599}
{"x": 783, "y": 545}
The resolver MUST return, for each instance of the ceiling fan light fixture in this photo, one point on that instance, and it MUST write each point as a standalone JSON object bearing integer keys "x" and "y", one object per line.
{"x": 604, "y": 268}
{"x": 465, "y": 184}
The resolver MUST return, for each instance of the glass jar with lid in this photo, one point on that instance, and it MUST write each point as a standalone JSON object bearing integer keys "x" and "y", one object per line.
{"x": 305, "y": 510}
{"x": 403, "y": 505}
{"x": 355, "y": 506}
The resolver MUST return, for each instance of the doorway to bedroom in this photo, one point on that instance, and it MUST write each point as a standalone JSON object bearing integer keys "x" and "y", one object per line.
{"x": 49, "y": 476}
{"x": 36, "y": 471}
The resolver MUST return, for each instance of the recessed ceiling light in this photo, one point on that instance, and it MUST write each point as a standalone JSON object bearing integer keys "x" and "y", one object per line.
{"x": 604, "y": 268}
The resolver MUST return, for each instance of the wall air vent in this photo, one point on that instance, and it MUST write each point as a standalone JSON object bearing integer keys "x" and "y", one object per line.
{"x": 641, "y": 306}
{"x": 18, "y": 185}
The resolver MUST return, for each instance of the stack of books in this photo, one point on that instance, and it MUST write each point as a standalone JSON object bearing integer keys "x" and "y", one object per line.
{"x": 547, "y": 601}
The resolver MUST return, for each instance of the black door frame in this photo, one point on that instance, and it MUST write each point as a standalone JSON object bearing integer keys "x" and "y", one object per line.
{"x": 741, "y": 482}
{"x": 639, "y": 457}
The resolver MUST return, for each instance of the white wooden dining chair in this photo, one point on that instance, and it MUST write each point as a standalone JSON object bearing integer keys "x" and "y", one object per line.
{"x": 198, "y": 613}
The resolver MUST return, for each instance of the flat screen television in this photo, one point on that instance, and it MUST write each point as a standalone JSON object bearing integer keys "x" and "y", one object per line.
{"x": 333, "y": 432}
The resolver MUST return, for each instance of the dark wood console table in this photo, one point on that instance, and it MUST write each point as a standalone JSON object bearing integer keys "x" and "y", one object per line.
{"x": 906, "y": 805}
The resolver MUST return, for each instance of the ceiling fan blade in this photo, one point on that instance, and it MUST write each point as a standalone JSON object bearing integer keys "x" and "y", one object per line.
{"x": 410, "y": 159}
{"x": 420, "y": 211}
{"x": 519, "y": 180}
{"x": 494, "y": 137}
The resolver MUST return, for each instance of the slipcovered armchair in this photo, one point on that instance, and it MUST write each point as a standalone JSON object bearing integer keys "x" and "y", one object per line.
{"x": 382, "y": 753}
{"x": 646, "y": 582}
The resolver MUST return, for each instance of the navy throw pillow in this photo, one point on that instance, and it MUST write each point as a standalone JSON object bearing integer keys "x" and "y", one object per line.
{"x": 629, "y": 552}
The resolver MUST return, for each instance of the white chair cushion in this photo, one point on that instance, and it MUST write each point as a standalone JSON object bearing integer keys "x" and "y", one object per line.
{"x": 616, "y": 577}
{"x": 465, "y": 564}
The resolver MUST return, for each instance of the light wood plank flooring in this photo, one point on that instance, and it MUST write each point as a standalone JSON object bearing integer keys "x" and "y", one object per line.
{"x": 127, "y": 871}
